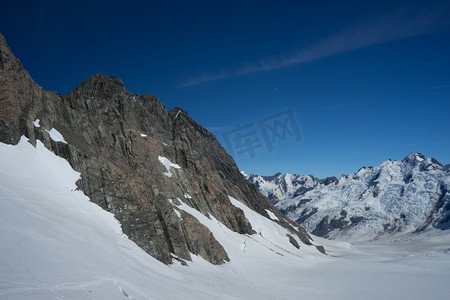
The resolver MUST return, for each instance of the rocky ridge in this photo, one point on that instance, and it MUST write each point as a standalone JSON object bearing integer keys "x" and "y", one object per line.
{"x": 136, "y": 160}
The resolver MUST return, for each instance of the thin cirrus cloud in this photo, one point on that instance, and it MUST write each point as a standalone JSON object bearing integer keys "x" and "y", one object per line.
{"x": 391, "y": 27}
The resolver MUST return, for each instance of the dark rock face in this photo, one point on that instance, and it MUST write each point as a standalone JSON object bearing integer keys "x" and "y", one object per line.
{"x": 326, "y": 225}
{"x": 115, "y": 139}
{"x": 329, "y": 180}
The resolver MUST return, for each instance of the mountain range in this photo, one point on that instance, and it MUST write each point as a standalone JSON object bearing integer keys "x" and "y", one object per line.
{"x": 410, "y": 195}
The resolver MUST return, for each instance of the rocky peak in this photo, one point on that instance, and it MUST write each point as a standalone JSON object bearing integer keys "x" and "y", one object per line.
{"x": 101, "y": 86}
{"x": 125, "y": 147}
{"x": 418, "y": 160}
{"x": 413, "y": 158}
{"x": 7, "y": 59}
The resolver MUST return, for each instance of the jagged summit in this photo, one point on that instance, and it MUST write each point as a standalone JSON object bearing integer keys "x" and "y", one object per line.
{"x": 4, "y": 48}
{"x": 8, "y": 61}
{"x": 418, "y": 160}
{"x": 99, "y": 85}
{"x": 413, "y": 158}
{"x": 417, "y": 157}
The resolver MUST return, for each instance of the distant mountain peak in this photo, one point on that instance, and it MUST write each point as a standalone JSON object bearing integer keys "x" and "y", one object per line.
{"x": 396, "y": 196}
{"x": 414, "y": 158}
{"x": 418, "y": 160}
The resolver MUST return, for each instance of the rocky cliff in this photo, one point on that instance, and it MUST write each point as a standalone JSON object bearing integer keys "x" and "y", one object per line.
{"x": 410, "y": 195}
{"x": 136, "y": 160}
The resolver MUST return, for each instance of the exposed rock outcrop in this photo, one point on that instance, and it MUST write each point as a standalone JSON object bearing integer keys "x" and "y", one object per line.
{"x": 119, "y": 142}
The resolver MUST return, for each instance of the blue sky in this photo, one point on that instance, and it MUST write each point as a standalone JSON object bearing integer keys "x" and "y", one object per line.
{"x": 364, "y": 81}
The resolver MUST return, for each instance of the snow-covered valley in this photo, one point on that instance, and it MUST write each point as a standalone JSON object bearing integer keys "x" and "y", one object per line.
{"x": 55, "y": 244}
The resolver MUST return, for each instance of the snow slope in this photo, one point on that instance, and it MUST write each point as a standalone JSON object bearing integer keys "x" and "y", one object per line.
{"x": 55, "y": 244}
{"x": 396, "y": 196}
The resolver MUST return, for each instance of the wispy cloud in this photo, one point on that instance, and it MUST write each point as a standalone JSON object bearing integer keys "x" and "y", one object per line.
{"x": 442, "y": 86}
{"x": 391, "y": 27}
{"x": 204, "y": 78}
{"x": 329, "y": 107}
{"x": 217, "y": 128}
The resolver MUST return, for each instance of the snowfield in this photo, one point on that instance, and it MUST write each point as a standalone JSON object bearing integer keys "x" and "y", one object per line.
{"x": 55, "y": 244}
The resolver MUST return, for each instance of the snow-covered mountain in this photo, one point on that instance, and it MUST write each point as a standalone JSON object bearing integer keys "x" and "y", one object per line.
{"x": 56, "y": 244}
{"x": 410, "y": 195}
